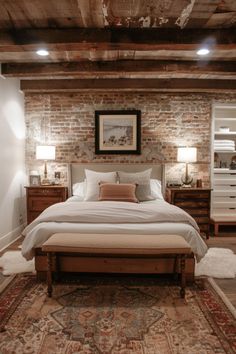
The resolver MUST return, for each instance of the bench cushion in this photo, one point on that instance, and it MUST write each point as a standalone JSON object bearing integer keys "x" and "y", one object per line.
{"x": 117, "y": 244}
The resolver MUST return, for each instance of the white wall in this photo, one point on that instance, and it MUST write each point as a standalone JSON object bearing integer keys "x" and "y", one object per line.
{"x": 12, "y": 161}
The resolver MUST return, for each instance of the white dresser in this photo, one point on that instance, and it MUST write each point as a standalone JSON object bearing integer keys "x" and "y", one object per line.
{"x": 224, "y": 193}
{"x": 223, "y": 198}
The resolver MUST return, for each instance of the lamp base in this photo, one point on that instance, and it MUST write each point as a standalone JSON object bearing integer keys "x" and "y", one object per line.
{"x": 45, "y": 182}
{"x": 186, "y": 186}
{"x": 187, "y": 181}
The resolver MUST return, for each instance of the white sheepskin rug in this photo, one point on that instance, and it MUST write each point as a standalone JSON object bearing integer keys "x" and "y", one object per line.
{"x": 13, "y": 262}
{"x": 217, "y": 263}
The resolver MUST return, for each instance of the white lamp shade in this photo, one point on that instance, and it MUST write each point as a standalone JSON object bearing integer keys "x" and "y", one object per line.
{"x": 45, "y": 152}
{"x": 187, "y": 154}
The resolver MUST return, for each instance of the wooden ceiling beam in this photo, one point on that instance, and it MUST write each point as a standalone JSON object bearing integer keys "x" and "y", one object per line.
{"x": 163, "y": 85}
{"x": 116, "y": 39}
{"x": 122, "y": 68}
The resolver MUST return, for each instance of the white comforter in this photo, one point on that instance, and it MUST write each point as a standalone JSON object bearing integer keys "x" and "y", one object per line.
{"x": 154, "y": 217}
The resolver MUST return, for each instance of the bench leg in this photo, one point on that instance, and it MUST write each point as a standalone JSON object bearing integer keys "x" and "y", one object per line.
{"x": 216, "y": 229}
{"x": 49, "y": 274}
{"x": 175, "y": 268}
{"x": 183, "y": 278}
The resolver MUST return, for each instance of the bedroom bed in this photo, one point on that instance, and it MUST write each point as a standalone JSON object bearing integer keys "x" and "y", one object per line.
{"x": 112, "y": 217}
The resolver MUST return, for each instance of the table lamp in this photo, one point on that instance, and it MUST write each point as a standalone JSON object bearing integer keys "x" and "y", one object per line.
{"x": 187, "y": 155}
{"x": 45, "y": 152}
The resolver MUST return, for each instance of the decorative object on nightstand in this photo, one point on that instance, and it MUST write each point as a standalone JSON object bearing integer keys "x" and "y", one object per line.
{"x": 195, "y": 201}
{"x": 187, "y": 155}
{"x": 34, "y": 178}
{"x": 45, "y": 152}
{"x": 41, "y": 197}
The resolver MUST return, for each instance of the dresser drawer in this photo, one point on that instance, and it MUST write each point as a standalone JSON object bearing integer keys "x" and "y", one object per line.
{"x": 225, "y": 181}
{"x": 229, "y": 199}
{"x": 227, "y": 204}
{"x": 224, "y": 193}
{"x": 225, "y": 175}
{"x": 45, "y": 192}
{"x": 223, "y": 211}
{"x": 226, "y": 187}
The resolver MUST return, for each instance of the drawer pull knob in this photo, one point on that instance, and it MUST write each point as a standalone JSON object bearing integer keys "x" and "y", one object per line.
{"x": 232, "y": 196}
{"x": 232, "y": 208}
{"x": 232, "y": 185}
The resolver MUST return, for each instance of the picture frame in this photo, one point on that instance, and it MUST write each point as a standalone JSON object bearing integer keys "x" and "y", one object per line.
{"x": 118, "y": 132}
{"x": 34, "y": 180}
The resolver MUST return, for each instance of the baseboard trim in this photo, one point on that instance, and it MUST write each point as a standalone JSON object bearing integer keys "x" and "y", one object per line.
{"x": 9, "y": 238}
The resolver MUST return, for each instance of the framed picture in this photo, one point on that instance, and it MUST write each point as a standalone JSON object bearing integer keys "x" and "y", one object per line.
{"x": 34, "y": 180}
{"x": 118, "y": 132}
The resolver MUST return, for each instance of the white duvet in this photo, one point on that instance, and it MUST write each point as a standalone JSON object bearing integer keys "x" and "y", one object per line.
{"x": 153, "y": 217}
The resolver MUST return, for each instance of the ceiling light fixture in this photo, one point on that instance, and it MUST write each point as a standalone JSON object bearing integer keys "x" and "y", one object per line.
{"x": 203, "y": 51}
{"x": 42, "y": 52}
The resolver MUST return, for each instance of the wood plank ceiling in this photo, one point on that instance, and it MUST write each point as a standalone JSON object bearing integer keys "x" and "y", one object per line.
{"x": 121, "y": 41}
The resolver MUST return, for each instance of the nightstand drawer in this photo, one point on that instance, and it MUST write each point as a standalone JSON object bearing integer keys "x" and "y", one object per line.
{"x": 39, "y": 204}
{"x": 195, "y": 201}
{"x": 44, "y": 192}
{"x": 191, "y": 195}
{"x": 201, "y": 220}
{"x": 197, "y": 211}
{"x": 191, "y": 204}
{"x": 41, "y": 197}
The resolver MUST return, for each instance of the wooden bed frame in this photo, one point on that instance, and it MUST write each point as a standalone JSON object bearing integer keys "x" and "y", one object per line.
{"x": 141, "y": 265}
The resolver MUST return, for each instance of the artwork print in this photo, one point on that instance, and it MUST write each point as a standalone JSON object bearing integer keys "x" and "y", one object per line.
{"x": 117, "y": 132}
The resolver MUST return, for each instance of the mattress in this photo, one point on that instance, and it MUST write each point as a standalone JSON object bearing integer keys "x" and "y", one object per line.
{"x": 152, "y": 217}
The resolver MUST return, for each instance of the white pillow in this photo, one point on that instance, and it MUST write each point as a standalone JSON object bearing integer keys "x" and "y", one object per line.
{"x": 92, "y": 182}
{"x": 143, "y": 190}
{"x": 74, "y": 198}
{"x": 79, "y": 189}
{"x": 156, "y": 190}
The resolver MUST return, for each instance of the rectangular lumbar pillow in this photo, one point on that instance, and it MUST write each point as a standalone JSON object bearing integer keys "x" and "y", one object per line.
{"x": 92, "y": 182}
{"x": 142, "y": 179}
{"x": 124, "y": 192}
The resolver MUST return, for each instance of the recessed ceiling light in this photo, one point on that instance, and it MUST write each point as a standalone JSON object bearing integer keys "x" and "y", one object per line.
{"x": 203, "y": 51}
{"x": 42, "y": 52}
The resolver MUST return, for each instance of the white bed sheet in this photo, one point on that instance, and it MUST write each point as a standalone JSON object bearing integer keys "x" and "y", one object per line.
{"x": 42, "y": 231}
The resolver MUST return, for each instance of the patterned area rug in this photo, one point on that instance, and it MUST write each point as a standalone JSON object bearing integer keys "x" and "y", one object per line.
{"x": 114, "y": 315}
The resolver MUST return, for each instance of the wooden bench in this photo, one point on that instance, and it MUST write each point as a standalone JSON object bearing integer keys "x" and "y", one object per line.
{"x": 222, "y": 220}
{"x": 135, "y": 246}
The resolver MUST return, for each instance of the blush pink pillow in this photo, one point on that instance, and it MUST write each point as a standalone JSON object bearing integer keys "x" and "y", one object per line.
{"x": 123, "y": 192}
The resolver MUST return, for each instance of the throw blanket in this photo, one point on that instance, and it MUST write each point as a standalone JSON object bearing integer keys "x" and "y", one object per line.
{"x": 113, "y": 212}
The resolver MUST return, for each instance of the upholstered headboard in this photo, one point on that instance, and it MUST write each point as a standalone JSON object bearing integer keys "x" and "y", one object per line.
{"x": 77, "y": 174}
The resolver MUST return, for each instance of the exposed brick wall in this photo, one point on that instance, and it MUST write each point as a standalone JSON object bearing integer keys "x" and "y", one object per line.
{"x": 168, "y": 121}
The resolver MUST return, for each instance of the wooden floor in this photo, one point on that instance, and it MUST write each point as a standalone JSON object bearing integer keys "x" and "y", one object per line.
{"x": 226, "y": 239}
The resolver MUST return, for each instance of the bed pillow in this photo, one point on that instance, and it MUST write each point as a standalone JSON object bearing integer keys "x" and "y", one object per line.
{"x": 79, "y": 189}
{"x": 92, "y": 182}
{"x": 143, "y": 190}
{"x": 124, "y": 192}
{"x": 156, "y": 189}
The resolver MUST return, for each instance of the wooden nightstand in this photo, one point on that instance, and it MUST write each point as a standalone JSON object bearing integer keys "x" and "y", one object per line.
{"x": 195, "y": 201}
{"x": 41, "y": 197}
